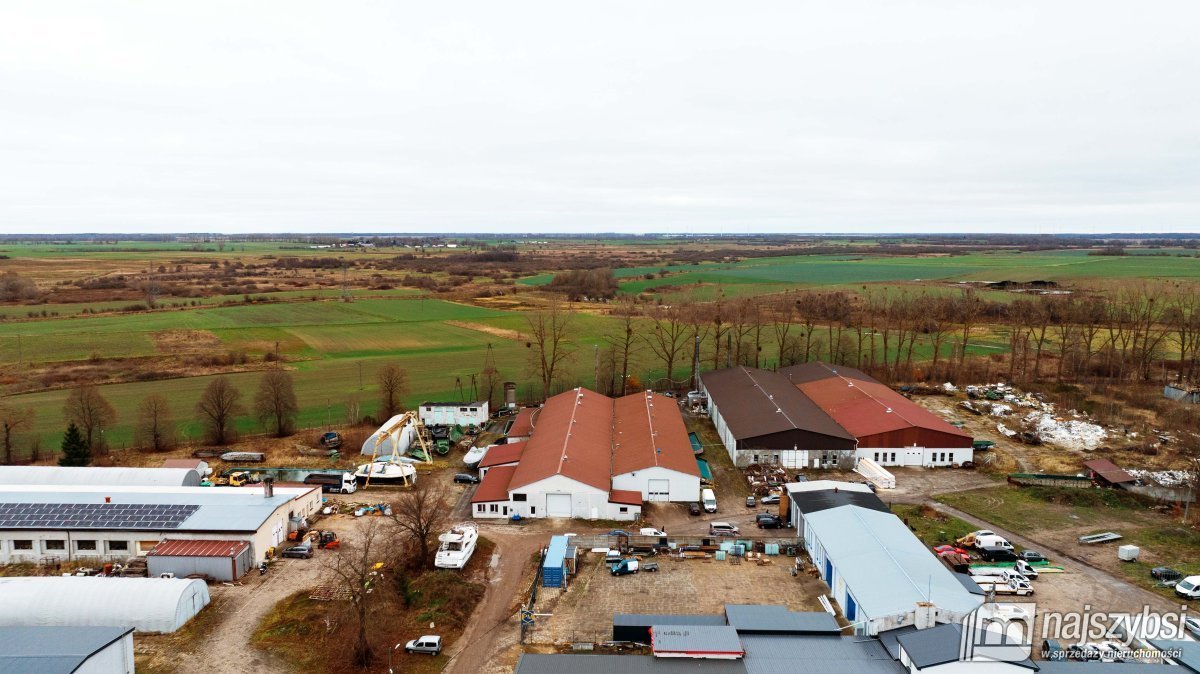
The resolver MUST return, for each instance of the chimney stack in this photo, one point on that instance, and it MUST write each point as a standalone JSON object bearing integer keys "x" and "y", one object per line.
{"x": 268, "y": 487}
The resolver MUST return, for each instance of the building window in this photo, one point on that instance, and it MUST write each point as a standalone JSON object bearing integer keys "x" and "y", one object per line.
{"x": 22, "y": 545}
{"x": 474, "y": 409}
{"x": 85, "y": 545}
{"x": 494, "y": 508}
{"x": 624, "y": 509}
{"x": 518, "y": 497}
{"x": 893, "y": 457}
{"x": 479, "y": 507}
{"x": 462, "y": 409}
{"x": 55, "y": 545}
{"x": 533, "y": 510}
{"x": 118, "y": 546}
{"x": 876, "y": 457}
{"x": 428, "y": 409}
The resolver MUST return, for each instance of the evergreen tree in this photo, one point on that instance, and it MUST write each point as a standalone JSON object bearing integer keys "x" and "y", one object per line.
{"x": 75, "y": 451}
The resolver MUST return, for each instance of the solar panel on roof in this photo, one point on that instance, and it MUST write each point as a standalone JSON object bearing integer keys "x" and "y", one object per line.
{"x": 94, "y": 515}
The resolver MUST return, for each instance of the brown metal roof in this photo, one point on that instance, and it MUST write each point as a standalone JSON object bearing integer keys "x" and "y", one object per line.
{"x": 193, "y": 464}
{"x": 522, "y": 426}
{"x": 495, "y": 485}
{"x": 171, "y": 547}
{"x": 648, "y": 431}
{"x": 502, "y": 454}
{"x": 755, "y": 403}
{"x": 872, "y": 412}
{"x": 1109, "y": 471}
{"x": 572, "y": 439}
{"x": 625, "y": 497}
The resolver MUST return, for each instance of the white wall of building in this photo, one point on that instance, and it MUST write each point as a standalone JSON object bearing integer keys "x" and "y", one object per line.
{"x": 928, "y": 457}
{"x": 587, "y": 501}
{"x": 682, "y": 488}
{"x": 458, "y": 414}
{"x": 116, "y": 658}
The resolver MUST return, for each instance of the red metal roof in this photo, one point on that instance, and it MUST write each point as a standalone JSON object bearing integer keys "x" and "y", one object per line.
{"x": 194, "y": 464}
{"x": 502, "y": 454}
{"x": 1109, "y": 471}
{"x": 872, "y": 412}
{"x": 495, "y": 485}
{"x": 648, "y": 431}
{"x": 522, "y": 426}
{"x": 574, "y": 430}
{"x": 625, "y": 497}
{"x": 171, "y": 547}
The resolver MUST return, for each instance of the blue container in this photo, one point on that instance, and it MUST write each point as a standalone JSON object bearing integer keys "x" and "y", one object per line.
{"x": 772, "y": 548}
{"x": 727, "y": 546}
{"x": 739, "y": 550}
{"x": 720, "y": 555}
{"x": 554, "y": 568}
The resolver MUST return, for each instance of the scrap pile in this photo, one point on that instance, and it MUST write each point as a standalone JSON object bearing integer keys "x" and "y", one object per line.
{"x": 763, "y": 478}
{"x": 1165, "y": 478}
{"x": 1041, "y": 423}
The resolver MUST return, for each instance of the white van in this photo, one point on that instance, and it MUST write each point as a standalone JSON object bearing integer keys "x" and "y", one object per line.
{"x": 992, "y": 541}
{"x": 710, "y": 500}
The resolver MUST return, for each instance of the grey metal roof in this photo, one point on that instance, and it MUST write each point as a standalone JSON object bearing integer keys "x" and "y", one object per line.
{"x": 969, "y": 583}
{"x": 646, "y": 620}
{"x": 811, "y": 498}
{"x": 217, "y": 510}
{"x": 775, "y": 619}
{"x": 885, "y": 567}
{"x": 932, "y": 646}
{"x": 694, "y": 639}
{"x": 760, "y": 402}
{"x": 890, "y": 639}
{"x": 773, "y": 654}
{"x": 50, "y": 650}
{"x": 541, "y": 663}
{"x": 1189, "y": 651}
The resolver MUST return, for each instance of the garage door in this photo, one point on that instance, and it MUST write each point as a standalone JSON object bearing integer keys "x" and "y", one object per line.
{"x": 659, "y": 490}
{"x": 558, "y": 505}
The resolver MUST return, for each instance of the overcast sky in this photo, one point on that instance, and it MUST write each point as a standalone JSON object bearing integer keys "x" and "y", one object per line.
{"x": 600, "y": 116}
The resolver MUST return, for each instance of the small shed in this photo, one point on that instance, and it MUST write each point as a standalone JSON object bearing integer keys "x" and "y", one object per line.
{"x": 696, "y": 641}
{"x": 1107, "y": 473}
{"x": 215, "y": 559}
{"x": 554, "y": 568}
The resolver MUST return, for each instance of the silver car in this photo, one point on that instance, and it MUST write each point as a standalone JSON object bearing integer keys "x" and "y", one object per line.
{"x": 430, "y": 643}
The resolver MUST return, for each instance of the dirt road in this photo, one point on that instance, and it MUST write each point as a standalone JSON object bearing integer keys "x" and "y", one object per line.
{"x": 494, "y": 628}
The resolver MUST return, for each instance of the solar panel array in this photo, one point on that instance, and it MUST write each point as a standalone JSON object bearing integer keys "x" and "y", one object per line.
{"x": 94, "y": 515}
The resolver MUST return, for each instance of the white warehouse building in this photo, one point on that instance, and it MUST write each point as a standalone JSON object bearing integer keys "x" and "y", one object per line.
{"x": 474, "y": 413}
{"x": 111, "y": 524}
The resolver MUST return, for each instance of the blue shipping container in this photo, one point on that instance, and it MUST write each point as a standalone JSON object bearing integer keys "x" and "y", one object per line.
{"x": 554, "y": 569}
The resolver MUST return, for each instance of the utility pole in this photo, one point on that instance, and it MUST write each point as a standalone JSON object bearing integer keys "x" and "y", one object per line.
{"x": 596, "y": 366}
{"x": 360, "y": 387}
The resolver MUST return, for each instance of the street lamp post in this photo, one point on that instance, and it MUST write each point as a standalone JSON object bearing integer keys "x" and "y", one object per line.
{"x": 391, "y": 650}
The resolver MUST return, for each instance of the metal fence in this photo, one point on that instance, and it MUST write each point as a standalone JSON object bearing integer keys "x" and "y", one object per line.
{"x": 527, "y": 623}
{"x": 759, "y": 541}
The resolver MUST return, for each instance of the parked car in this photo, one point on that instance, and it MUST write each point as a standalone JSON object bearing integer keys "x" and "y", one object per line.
{"x": 801, "y": 477}
{"x": 950, "y": 549}
{"x": 722, "y": 529}
{"x": 1166, "y": 574}
{"x": 430, "y": 643}
{"x": 299, "y": 552}
{"x": 625, "y": 567}
{"x": 1032, "y": 556}
{"x": 651, "y": 531}
{"x": 1192, "y": 625}
{"x": 750, "y": 503}
{"x": 1188, "y": 588}
{"x": 770, "y": 522}
{"x": 693, "y": 508}
{"x": 1052, "y": 650}
{"x": 619, "y": 532}
{"x": 466, "y": 478}
{"x": 997, "y": 554}
{"x": 770, "y": 499}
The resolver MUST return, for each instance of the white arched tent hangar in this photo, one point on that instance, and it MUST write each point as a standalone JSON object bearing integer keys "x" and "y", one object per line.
{"x": 100, "y": 475}
{"x": 145, "y": 604}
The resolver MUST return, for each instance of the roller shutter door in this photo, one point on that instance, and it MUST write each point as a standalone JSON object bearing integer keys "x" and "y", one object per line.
{"x": 558, "y": 505}
{"x": 658, "y": 490}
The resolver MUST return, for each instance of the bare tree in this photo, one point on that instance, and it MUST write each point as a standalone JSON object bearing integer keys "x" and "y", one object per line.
{"x": 354, "y": 569}
{"x": 393, "y": 386}
{"x": 550, "y": 346}
{"x": 13, "y": 421}
{"x": 622, "y": 341}
{"x": 275, "y": 402}
{"x": 218, "y": 407}
{"x": 155, "y": 427}
{"x": 419, "y": 514}
{"x": 668, "y": 337}
{"x": 86, "y": 408}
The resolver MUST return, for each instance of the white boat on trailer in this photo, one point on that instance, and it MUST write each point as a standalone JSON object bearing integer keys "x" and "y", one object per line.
{"x": 386, "y": 472}
{"x": 458, "y": 545}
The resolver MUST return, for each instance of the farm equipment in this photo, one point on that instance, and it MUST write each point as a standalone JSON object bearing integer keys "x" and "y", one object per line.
{"x": 328, "y": 540}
